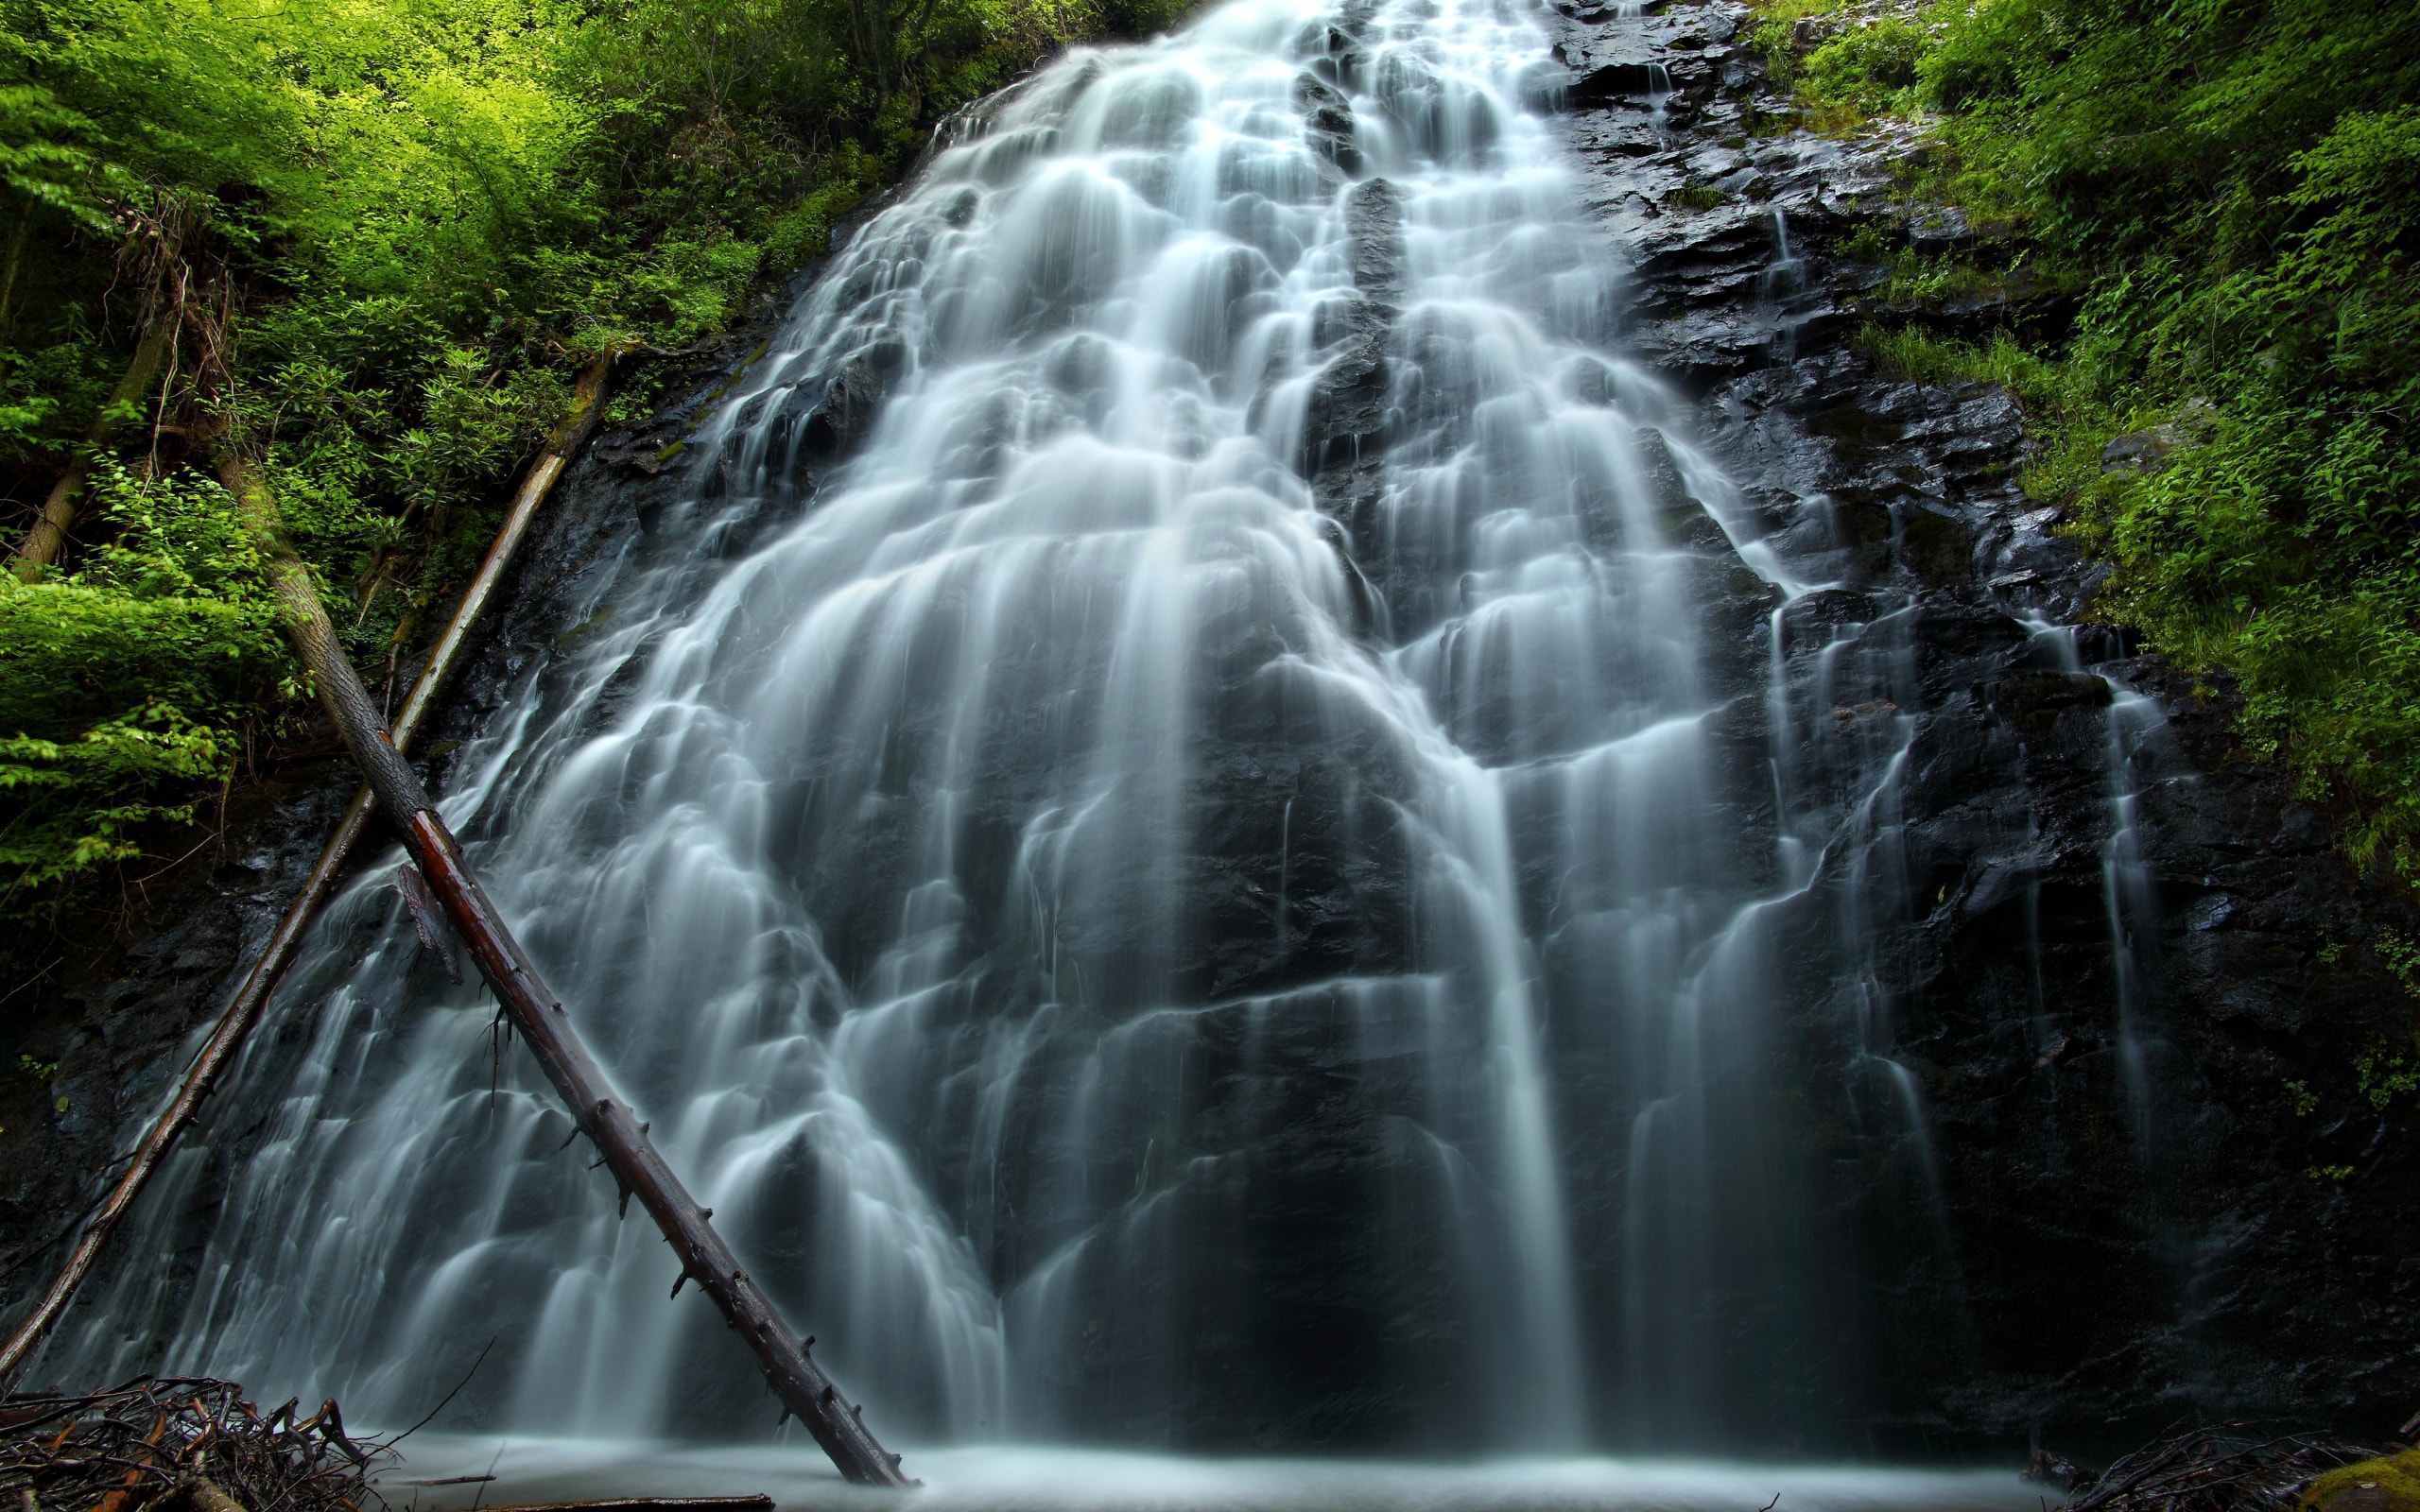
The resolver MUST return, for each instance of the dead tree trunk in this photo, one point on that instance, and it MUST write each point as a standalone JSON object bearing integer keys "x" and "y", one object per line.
{"x": 570, "y": 434}
{"x": 235, "y": 1021}
{"x": 804, "y": 1390}
{"x": 40, "y": 546}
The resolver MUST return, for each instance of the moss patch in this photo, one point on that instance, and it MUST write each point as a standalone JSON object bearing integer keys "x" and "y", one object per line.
{"x": 2372, "y": 1485}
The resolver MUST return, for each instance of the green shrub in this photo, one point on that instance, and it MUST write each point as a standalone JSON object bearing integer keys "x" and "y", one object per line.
{"x": 1869, "y": 68}
{"x": 132, "y": 684}
{"x": 2235, "y": 190}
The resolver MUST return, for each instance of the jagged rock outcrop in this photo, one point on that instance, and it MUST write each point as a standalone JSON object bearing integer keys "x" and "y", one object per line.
{"x": 2164, "y": 1187}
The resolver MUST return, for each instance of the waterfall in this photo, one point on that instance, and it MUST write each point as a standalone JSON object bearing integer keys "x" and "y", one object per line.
{"x": 1244, "y": 865}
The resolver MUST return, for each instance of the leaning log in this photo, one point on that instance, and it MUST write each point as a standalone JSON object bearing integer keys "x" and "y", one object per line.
{"x": 570, "y": 434}
{"x": 620, "y": 1138}
{"x": 237, "y": 1020}
{"x": 40, "y": 547}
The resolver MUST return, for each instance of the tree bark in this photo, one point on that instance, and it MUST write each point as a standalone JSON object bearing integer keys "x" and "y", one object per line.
{"x": 206, "y": 1495}
{"x": 235, "y": 1021}
{"x": 16, "y": 258}
{"x": 804, "y": 1390}
{"x": 49, "y": 532}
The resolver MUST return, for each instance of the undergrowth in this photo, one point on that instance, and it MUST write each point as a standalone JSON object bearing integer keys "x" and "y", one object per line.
{"x": 376, "y": 237}
{"x": 2224, "y": 195}
{"x": 132, "y": 684}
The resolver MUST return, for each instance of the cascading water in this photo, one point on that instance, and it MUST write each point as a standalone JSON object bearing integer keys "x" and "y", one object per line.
{"x": 1240, "y": 871}
{"x": 1783, "y": 280}
{"x": 2137, "y": 729}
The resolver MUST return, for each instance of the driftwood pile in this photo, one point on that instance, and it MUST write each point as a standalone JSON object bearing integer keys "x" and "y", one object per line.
{"x": 2228, "y": 1468}
{"x": 194, "y": 1444}
{"x": 180, "y": 1445}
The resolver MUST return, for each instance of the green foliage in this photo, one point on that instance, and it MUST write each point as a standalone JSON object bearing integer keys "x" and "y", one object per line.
{"x": 2401, "y": 954}
{"x": 1769, "y": 32}
{"x": 2233, "y": 186}
{"x": 387, "y": 232}
{"x": 1869, "y": 68}
{"x": 131, "y": 682}
{"x": 2382, "y": 1074}
{"x": 1919, "y": 355}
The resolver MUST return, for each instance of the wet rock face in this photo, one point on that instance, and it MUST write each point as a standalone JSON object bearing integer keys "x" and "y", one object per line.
{"x": 111, "y": 1010}
{"x": 2144, "y": 1203}
{"x": 1346, "y": 427}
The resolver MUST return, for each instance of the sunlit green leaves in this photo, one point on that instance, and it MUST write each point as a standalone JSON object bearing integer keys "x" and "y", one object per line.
{"x": 2236, "y": 186}
{"x": 1871, "y": 67}
{"x": 396, "y": 227}
{"x": 130, "y": 682}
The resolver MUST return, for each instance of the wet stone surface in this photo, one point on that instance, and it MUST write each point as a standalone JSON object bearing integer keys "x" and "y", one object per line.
{"x": 2136, "y": 1219}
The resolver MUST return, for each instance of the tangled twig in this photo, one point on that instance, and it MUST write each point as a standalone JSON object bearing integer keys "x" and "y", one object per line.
{"x": 2225, "y": 1467}
{"x": 186, "y": 1444}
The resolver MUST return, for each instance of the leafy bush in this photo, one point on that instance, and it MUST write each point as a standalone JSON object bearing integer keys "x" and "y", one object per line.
{"x": 2233, "y": 186}
{"x": 384, "y": 234}
{"x": 1870, "y": 67}
{"x": 133, "y": 682}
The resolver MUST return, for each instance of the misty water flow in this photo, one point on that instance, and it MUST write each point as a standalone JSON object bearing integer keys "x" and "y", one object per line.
{"x": 1006, "y": 1478}
{"x": 1154, "y": 909}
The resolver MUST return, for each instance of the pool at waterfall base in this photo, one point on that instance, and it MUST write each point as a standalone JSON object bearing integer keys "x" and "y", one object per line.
{"x": 1004, "y": 1479}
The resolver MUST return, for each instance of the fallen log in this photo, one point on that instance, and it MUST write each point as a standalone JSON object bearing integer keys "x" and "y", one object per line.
{"x": 620, "y": 1138}
{"x": 237, "y": 1020}
{"x": 40, "y": 547}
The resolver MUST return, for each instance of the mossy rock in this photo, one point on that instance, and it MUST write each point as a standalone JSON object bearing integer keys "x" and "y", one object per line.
{"x": 2372, "y": 1485}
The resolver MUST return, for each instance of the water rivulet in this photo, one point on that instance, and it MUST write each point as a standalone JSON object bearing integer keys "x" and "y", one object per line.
{"x": 1206, "y": 824}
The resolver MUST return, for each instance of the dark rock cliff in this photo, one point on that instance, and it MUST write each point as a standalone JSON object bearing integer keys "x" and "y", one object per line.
{"x": 2201, "y": 1210}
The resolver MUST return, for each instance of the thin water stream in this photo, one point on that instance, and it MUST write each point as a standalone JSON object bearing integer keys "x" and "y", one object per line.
{"x": 1135, "y": 940}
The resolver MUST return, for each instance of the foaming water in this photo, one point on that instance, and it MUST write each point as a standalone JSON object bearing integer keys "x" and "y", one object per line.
{"x": 1269, "y": 859}
{"x": 1009, "y": 1480}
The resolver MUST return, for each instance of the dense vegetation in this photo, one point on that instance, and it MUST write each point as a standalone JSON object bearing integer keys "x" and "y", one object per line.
{"x": 2227, "y": 192}
{"x": 366, "y": 242}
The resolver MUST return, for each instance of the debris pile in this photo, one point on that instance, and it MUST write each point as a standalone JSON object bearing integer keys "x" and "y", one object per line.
{"x": 187, "y": 1444}
{"x": 2226, "y": 1468}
